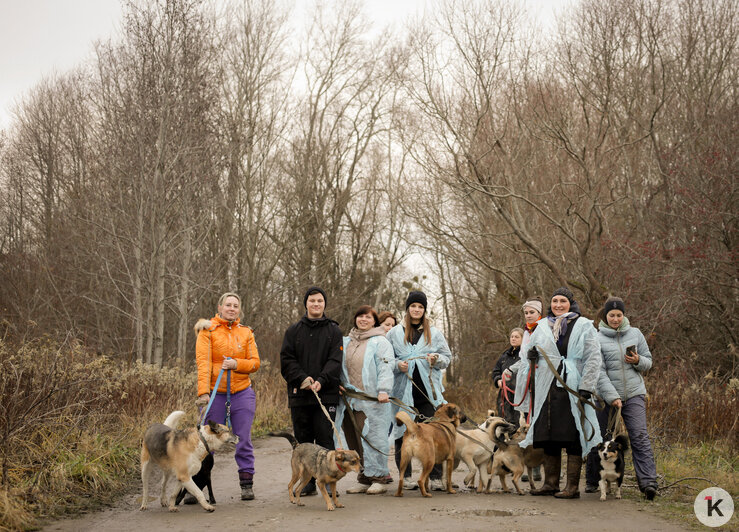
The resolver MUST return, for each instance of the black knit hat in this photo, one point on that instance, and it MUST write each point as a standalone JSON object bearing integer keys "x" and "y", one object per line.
{"x": 564, "y": 291}
{"x": 314, "y": 290}
{"x": 614, "y": 303}
{"x": 416, "y": 297}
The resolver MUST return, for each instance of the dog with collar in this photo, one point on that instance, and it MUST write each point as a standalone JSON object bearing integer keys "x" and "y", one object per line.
{"x": 326, "y": 466}
{"x": 432, "y": 443}
{"x": 611, "y": 464}
{"x": 180, "y": 453}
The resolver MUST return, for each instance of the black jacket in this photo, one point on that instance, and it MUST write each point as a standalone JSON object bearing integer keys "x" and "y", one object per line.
{"x": 506, "y": 360}
{"x": 312, "y": 348}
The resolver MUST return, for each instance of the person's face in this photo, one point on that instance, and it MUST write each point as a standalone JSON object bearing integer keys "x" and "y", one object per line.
{"x": 516, "y": 339}
{"x": 364, "y": 322}
{"x": 614, "y": 318}
{"x": 560, "y": 305}
{"x": 416, "y": 311}
{"x": 388, "y": 324}
{"x": 315, "y": 305}
{"x": 531, "y": 315}
{"x": 230, "y": 309}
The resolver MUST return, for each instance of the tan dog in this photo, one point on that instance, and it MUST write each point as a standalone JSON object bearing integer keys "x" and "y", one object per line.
{"x": 180, "y": 453}
{"x": 475, "y": 448}
{"x": 510, "y": 458}
{"x": 432, "y": 443}
{"x": 327, "y": 466}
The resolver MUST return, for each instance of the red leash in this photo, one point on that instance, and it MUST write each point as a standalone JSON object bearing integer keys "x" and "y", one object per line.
{"x": 506, "y": 390}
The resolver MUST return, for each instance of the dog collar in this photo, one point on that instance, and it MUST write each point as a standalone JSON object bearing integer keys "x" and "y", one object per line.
{"x": 337, "y": 465}
{"x": 202, "y": 439}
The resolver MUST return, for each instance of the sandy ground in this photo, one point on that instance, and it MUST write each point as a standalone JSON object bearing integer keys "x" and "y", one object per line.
{"x": 271, "y": 510}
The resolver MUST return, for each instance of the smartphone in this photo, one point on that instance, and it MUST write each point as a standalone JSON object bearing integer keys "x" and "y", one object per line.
{"x": 631, "y": 350}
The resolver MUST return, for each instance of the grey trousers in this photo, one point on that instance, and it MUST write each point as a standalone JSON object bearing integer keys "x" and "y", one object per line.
{"x": 634, "y": 412}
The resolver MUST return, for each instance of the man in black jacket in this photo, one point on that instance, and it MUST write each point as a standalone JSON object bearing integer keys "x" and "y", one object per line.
{"x": 310, "y": 360}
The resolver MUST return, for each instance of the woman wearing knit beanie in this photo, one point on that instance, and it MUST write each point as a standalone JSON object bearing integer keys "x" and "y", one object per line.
{"x": 626, "y": 357}
{"x": 569, "y": 342}
{"x": 421, "y": 352}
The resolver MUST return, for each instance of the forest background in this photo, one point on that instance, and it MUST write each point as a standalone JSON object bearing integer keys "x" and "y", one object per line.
{"x": 214, "y": 147}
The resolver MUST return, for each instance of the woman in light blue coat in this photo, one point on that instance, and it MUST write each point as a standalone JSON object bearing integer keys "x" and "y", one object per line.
{"x": 367, "y": 367}
{"x": 569, "y": 341}
{"x": 421, "y": 353}
{"x": 626, "y": 357}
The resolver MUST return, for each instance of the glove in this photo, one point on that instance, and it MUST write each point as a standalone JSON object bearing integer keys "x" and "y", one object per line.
{"x": 202, "y": 400}
{"x": 533, "y": 354}
{"x": 584, "y": 395}
{"x": 306, "y": 383}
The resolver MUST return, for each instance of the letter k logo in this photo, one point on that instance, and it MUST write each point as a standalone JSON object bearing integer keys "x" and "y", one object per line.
{"x": 713, "y": 506}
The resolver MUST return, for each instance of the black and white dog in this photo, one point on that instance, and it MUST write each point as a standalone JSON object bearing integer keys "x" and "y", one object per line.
{"x": 611, "y": 466}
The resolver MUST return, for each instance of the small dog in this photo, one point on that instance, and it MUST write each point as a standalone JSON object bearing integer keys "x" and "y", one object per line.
{"x": 611, "y": 465}
{"x": 476, "y": 451}
{"x": 201, "y": 480}
{"x": 180, "y": 453}
{"x": 328, "y": 467}
{"x": 432, "y": 443}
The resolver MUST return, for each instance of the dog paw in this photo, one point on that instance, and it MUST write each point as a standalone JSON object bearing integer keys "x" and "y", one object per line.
{"x": 427, "y": 495}
{"x": 618, "y": 495}
{"x": 339, "y": 505}
{"x": 209, "y": 508}
{"x": 174, "y": 509}
{"x": 452, "y": 491}
{"x": 330, "y": 508}
{"x": 398, "y": 494}
{"x": 143, "y": 507}
{"x": 602, "y": 497}
{"x": 300, "y": 504}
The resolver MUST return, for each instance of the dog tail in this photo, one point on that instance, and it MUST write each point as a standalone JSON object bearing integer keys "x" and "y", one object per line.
{"x": 174, "y": 418}
{"x": 405, "y": 419}
{"x": 287, "y": 435}
{"x": 500, "y": 427}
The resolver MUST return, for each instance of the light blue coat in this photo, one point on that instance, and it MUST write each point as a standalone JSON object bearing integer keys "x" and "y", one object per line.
{"x": 618, "y": 378}
{"x": 403, "y": 388}
{"x": 377, "y": 376}
{"x": 583, "y": 368}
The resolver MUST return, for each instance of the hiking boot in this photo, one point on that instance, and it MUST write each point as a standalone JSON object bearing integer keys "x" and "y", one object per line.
{"x": 650, "y": 492}
{"x": 246, "y": 481}
{"x": 574, "y": 467}
{"x": 309, "y": 489}
{"x": 552, "y": 467}
{"x": 362, "y": 488}
{"x": 589, "y": 488}
{"x": 524, "y": 478}
{"x": 189, "y": 499}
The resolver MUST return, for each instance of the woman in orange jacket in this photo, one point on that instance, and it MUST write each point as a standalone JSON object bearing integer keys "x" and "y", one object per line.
{"x": 224, "y": 343}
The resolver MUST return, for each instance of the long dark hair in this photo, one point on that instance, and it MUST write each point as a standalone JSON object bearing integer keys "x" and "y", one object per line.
{"x": 425, "y": 325}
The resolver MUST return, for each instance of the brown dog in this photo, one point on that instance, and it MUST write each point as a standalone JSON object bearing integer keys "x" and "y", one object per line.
{"x": 432, "y": 443}
{"x": 510, "y": 458}
{"x": 327, "y": 466}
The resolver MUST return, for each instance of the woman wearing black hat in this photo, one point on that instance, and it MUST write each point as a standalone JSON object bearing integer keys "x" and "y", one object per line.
{"x": 421, "y": 352}
{"x": 570, "y": 343}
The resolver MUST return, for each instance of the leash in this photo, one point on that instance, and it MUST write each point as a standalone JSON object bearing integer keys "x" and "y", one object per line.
{"x": 506, "y": 390}
{"x": 333, "y": 425}
{"x": 615, "y": 422}
{"x": 357, "y": 433}
{"x": 204, "y": 414}
{"x": 580, "y": 401}
{"x": 478, "y": 442}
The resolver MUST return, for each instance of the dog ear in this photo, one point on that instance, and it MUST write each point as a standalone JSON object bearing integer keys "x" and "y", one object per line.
{"x": 600, "y": 446}
{"x": 213, "y": 426}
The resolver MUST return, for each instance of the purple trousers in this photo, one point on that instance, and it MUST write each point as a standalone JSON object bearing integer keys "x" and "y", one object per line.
{"x": 243, "y": 406}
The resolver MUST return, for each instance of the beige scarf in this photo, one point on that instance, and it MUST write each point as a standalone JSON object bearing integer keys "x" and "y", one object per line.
{"x": 354, "y": 356}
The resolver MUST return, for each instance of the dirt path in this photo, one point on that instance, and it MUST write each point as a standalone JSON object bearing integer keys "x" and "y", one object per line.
{"x": 272, "y": 511}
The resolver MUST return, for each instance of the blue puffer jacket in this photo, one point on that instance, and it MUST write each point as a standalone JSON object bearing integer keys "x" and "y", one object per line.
{"x": 619, "y": 379}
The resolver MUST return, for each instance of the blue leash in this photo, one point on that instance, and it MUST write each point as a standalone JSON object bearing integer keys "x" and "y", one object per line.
{"x": 213, "y": 396}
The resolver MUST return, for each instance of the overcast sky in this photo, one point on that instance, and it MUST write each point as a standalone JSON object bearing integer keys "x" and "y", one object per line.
{"x": 40, "y": 37}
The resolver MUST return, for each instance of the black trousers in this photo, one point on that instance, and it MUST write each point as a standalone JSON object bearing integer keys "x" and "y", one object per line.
{"x": 311, "y": 426}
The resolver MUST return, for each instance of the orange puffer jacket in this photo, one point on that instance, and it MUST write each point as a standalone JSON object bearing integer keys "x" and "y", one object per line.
{"x": 217, "y": 340}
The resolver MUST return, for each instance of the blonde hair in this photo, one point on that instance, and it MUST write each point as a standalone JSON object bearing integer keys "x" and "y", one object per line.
{"x": 225, "y": 296}
{"x": 518, "y": 330}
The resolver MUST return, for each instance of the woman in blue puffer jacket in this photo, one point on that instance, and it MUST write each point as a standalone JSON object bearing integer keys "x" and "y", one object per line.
{"x": 626, "y": 357}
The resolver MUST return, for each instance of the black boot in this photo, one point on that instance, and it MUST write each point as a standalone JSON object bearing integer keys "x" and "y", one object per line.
{"x": 574, "y": 467}
{"x": 309, "y": 489}
{"x": 246, "y": 481}
{"x": 552, "y": 467}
